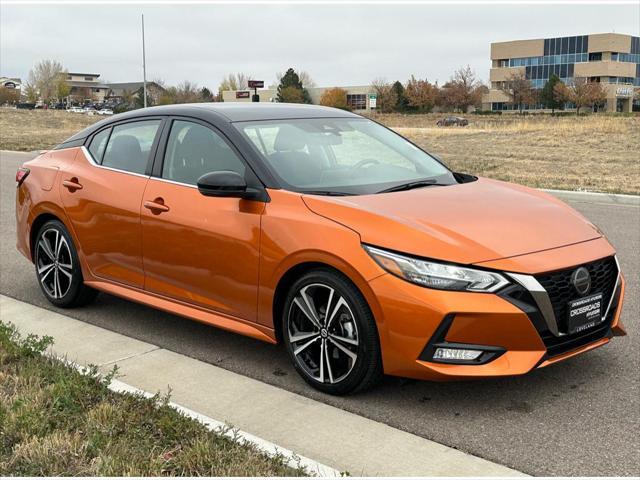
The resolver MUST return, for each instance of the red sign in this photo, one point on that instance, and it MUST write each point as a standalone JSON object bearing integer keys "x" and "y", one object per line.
{"x": 256, "y": 83}
{"x": 243, "y": 94}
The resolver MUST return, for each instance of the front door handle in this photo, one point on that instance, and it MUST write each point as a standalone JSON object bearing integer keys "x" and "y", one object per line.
{"x": 156, "y": 206}
{"x": 72, "y": 184}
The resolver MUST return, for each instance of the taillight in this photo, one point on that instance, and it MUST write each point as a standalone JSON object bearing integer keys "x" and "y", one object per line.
{"x": 21, "y": 175}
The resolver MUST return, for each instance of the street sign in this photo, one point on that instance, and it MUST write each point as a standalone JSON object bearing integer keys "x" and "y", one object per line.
{"x": 256, "y": 83}
{"x": 243, "y": 94}
{"x": 373, "y": 100}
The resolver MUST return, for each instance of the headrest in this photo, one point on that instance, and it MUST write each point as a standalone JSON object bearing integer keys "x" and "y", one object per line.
{"x": 288, "y": 139}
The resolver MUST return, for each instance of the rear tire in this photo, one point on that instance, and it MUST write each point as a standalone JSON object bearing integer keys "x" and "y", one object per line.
{"x": 58, "y": 268}
{"x": 330, "y": 334}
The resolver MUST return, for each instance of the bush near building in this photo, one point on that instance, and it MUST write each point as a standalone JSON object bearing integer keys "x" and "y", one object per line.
{"x": 336, "y": 98}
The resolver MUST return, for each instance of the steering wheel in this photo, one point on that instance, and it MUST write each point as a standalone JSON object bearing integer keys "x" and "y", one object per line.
{"x": 366, "y": 161}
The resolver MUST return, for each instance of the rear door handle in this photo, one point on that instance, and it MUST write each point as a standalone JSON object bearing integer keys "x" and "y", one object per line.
{"x": 72, "y": 184}
{"x": 156, "y": 206}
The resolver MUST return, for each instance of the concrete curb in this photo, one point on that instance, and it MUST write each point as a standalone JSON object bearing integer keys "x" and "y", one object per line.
{"x": 595, "y": 197}
{"x": 312, "y": 429}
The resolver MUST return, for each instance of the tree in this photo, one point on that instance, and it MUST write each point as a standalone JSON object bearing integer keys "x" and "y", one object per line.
{"x": 548, "y": 96}
{"x": 290, "y": 80}
{"x": 234, "y": 81}
{"x": 291, "y": 95}
{"x": 581, "y": 92}
{"x": 401, "y": 100}
{"x": 63, "y": 89}
{"x": 206, "y": 95}
{"x": 386, "y": 97}
{"x": 519, "y": 90}
{"x": 30, "y": 92}
{"x": 45, "y": 76}
{"x": 305, "y": 79}
{"x": 421, "y": 95}
{"x": 462, "y": 91}
{"x": 9, "y": 95}
{"x": 336, "y": 98}
{"x": 138, "y": 98}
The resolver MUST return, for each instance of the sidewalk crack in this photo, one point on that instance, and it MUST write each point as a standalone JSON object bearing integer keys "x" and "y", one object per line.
{"x": 134, "y": 355}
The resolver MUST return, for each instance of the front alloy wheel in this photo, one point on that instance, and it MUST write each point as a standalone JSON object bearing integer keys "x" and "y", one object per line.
{"x": 330, "y": 334}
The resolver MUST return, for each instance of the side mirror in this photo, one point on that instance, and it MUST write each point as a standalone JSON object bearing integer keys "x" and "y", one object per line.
{"x": 223, "y": 183}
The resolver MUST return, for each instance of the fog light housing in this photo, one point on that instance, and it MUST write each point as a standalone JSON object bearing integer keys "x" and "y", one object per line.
{"x": 463, "y": 354}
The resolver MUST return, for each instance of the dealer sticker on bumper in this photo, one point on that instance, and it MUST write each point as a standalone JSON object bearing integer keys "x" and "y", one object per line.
{"x": 584, "y": 313}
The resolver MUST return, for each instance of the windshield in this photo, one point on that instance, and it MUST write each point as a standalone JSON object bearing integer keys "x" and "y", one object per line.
{"x": 341, "y": 156}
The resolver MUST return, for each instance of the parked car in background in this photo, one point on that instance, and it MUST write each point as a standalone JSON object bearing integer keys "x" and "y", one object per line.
{"x": 75, "y": 110}
{"x": 322, "y": 230}
{"x": 449, "y": 121}
{"x": 105, "y": 111}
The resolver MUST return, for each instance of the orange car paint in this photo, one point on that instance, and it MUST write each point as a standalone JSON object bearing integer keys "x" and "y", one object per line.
{"x": 220, "y": 260}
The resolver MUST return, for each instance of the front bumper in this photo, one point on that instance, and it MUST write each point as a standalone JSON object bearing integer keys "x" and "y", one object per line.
{"x": 412, "y": 319}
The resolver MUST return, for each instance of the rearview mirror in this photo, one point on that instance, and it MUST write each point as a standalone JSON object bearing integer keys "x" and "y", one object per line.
{"x": 223, "y": 183}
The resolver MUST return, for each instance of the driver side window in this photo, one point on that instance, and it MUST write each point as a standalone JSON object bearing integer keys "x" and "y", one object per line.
{"x": 194, "y": 150}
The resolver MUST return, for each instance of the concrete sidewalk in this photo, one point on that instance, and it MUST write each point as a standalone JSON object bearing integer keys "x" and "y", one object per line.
{"x": 321, "y": 432}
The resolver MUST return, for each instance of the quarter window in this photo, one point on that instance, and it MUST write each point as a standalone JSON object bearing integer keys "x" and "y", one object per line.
{"x": 98, "y": 144}
{"x": 129, "y": 146}
{"x": 194, "y": 150}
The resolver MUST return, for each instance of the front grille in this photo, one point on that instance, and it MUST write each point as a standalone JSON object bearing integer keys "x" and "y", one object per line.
{"x": 604, "y": 274}
{"x": 558, "y": 285}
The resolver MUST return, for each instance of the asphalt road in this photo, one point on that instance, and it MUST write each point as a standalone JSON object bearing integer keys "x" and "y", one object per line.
{"x": 580, "y": 417}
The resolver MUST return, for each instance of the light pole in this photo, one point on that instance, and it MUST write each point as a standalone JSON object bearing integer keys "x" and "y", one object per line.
{"x": 144, "y": 67}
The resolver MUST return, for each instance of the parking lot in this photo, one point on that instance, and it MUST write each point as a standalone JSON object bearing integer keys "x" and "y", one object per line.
{"x": 580, "y": 417}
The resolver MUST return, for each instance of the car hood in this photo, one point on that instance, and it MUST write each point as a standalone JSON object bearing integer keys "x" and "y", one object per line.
{"x": 466, "y": 223}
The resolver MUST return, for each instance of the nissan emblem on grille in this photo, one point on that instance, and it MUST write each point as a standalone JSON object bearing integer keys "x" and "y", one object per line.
{"x": 581, "y": 280}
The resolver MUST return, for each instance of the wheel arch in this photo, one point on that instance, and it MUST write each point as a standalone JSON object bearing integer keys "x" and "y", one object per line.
{"x": 296, "y": 271}
{"x": 36, "y": 225}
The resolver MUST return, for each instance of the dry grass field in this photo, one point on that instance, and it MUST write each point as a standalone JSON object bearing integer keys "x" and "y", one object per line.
{"x": 593, "y": 153}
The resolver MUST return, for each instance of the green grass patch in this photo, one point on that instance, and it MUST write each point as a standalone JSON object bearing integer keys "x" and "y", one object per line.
{"x": 56, "y": 421}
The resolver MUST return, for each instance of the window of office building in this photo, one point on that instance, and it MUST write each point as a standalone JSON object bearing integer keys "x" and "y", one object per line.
{"x": 357, "y": 101}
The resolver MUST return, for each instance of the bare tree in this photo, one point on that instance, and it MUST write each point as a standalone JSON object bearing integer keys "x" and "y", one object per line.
{"x": 519, "y": 90}
{"x": 462, "y": 91}
{"x": 45, "y": 76}
{"x": 234, "y": 81}
{"x": 386, "y": 96}
{"x": 580, "y": 92}
{"x": 421, "y": 94}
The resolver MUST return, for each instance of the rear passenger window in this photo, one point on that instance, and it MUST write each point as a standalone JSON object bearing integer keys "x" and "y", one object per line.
{"x": 193, "y": 150}
{"x": 98, "y": 144}
{"x": 129, "y": 146}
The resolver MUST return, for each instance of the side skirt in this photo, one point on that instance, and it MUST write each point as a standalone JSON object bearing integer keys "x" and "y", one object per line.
{"x": 231, "y": 324}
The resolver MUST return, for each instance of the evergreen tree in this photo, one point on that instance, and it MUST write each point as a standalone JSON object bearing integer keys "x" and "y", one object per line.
{"x": 291, "y": 80}
{"x": 401, "y": 100}
{"x": 547, "y": 95}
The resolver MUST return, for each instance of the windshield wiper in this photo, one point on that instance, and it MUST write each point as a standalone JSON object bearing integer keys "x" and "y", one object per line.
{"x": 330, "y": 193}
{"x": 417, "y": 184}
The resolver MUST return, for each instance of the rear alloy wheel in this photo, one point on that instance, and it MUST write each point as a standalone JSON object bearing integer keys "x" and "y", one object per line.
{"x": 58, "y": 268}
{"x": 331, "y": 335}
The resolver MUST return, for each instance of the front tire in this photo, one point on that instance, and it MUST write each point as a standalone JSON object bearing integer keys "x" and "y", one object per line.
{"x": 330, "y": 334}
{"x": 58, "y": 268}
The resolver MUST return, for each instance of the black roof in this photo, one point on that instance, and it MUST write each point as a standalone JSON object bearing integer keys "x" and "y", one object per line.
{"x": 224, "y": 112}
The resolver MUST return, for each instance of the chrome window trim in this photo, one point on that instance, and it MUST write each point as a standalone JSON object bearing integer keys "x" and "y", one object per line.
{"x": 92, "y": 161}
{"x": 173, "y": 182}
{"x": 541, "y": 297}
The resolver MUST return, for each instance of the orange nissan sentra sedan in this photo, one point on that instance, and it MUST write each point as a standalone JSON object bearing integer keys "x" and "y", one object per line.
{"x": 325, "y": 231}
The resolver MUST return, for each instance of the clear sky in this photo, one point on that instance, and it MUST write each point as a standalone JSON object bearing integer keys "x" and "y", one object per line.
{"x": 337, "y": 44}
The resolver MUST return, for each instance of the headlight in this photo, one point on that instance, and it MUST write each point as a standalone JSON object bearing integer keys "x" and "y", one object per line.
{"x": 437, "y": 275}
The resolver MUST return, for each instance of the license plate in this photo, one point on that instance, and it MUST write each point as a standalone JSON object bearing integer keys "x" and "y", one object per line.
{"x": 584, "y": 313}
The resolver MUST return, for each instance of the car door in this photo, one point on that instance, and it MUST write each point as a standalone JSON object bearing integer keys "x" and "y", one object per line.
{"x": 102, "y": 193}
{"x": 198, "y": 249}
